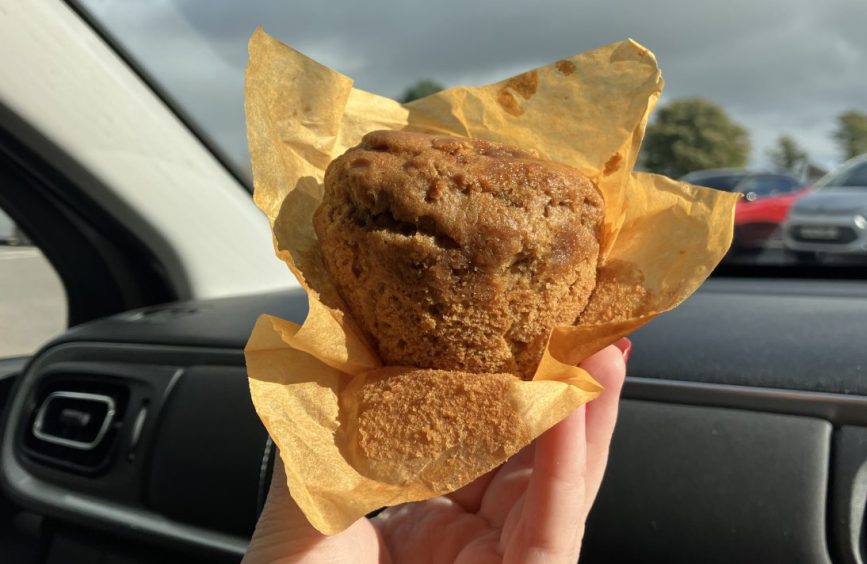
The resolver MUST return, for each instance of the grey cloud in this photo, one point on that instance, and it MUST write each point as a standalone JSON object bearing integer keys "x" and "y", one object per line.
{"x": 777, "y": 66}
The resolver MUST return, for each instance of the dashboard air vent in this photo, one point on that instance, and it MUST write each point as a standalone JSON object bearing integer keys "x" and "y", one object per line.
{"x": 74, "y": 423}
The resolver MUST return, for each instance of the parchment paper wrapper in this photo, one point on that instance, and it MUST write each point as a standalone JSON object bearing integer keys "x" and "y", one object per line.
{"x": 661, "y": 239}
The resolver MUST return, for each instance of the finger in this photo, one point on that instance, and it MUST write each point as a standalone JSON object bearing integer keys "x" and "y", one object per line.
{"x": 502, "y": 495}
{"x": 279, "y": 502}
{"x": 477, "y": 494}
{"x": 284, "y": 534}
{"x": 513, "y": 519}
{"x": 470, "y": 496}
{"x": 282, "y": 529}
{"x": 509, "y": 483}
{"x": 552, "y": 521}
{"x": 608, "y": 367}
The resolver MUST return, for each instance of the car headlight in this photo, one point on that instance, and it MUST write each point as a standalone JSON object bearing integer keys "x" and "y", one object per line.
{"x": 861, "y": 222}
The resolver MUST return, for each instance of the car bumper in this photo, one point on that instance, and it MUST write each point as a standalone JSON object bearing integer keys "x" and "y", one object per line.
{"x": 826, "y": 234}
{"x": 757, "y": 236}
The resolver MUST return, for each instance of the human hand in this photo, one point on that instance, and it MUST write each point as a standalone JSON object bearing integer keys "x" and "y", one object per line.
{"x": 530, "y": 509}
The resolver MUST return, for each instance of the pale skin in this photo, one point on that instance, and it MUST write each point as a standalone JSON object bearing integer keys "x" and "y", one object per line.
{"x": 530, "y": 510}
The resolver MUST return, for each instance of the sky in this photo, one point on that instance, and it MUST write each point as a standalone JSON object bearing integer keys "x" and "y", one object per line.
{"x": 776, "y": 66}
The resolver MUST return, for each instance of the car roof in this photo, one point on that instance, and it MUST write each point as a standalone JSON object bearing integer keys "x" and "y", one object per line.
{"x": 720, "y": 172}
{"x": 714, "y": 172}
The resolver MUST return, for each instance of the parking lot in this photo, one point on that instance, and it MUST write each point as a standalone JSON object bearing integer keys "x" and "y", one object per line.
{"x": 32, "y": 301}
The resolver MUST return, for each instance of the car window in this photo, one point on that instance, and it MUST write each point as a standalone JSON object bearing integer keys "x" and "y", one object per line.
{"x": 767, "y": 185}
{"x": 792, "y": 184}
{"x": 724, "y": 182}
{"x": 705, "y": 130}
{"x": 32, "y": 299}
{"x": 759, "y": 185}
{"x": 855, "y": 175}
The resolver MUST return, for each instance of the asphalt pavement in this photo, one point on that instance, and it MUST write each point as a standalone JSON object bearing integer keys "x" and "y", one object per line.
{"x": 32, "y": 301}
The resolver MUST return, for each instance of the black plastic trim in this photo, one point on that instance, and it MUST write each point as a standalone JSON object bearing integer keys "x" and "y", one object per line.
{"x": 266, "y": 470}
{"x": 78, "y": 506}
{"x": 103, "y": 267}
{"x": 848, "y": 499}
{"x": 689, "y": 484}
{"x": 839, "y": 409}
{"x": 760, "y": 333}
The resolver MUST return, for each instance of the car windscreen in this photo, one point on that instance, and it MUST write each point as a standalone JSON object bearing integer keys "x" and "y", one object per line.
{"x": 706, "y": 128}
{"x": 763, "y": 185}
{"x": 725, "y": 182}
{"x": 853, "y": 175}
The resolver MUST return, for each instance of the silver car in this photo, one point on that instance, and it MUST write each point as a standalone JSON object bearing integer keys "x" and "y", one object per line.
{"x": 833, "y": 218}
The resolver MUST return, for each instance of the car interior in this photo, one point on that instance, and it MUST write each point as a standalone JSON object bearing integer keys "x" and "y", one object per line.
{"x": 131, "y": 437}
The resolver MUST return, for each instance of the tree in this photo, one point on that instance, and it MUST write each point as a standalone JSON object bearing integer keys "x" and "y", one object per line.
{"x": 420, "y": 89}
{"x": 693, "y": 134}
{"x": 787, "y": 156}
{"x": 851, "y": 133}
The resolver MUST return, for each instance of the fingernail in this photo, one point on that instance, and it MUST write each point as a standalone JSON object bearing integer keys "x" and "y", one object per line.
{"x": 625, "y": 346}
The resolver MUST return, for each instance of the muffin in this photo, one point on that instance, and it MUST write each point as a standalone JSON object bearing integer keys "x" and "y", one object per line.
{"x": 458, "y": 254}
{"x": 402, "y": 423}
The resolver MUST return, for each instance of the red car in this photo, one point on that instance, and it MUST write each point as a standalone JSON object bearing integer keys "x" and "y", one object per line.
{"x": 758, "y": 220}
{"x": 767, "y": 198}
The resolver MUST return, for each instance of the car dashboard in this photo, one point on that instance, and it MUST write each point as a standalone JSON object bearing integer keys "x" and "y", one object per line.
{"x": 742, "y": 433}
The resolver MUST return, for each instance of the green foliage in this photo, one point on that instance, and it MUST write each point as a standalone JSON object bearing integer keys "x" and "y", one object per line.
{"x": 420, "y": 89}
{"x": 851, "y": 133}
{"x": 693, "y": 134}
{"x": 787, "y": 156}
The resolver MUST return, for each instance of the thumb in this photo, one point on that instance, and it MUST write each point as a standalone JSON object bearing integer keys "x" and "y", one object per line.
{"x": 282, "y": 530}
